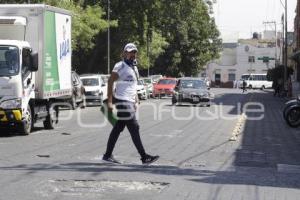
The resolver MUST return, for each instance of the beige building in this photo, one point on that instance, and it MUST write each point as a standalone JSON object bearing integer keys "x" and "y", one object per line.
{"x": 244, "y": 57}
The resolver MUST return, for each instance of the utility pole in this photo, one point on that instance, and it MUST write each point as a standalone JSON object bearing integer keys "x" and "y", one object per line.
{"x": 148, "y": 53}
{"x": 285, "y": 48}
{"x": 108, "y": 37}
{"x": 273, "y": 22}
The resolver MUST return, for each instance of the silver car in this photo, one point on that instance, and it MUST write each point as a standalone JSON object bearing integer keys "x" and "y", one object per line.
{"x": 191, "y": 90}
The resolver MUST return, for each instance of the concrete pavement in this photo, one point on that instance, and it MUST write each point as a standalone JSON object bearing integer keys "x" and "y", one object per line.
{"x": 197, "y": 159}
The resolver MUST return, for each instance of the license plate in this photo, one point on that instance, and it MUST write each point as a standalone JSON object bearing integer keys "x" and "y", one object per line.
{"x": 195, "y": 99}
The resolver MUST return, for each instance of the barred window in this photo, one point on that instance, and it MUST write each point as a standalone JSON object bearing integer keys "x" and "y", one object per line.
{"x": 231, "y": 77}
{"x": 251, "y": 59}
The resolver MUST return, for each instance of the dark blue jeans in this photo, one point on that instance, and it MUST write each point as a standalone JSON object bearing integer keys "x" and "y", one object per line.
{"x": 126, "y": 117}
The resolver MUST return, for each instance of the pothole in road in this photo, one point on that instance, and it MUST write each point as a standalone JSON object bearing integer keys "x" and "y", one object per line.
{"x": 102, "y": 187}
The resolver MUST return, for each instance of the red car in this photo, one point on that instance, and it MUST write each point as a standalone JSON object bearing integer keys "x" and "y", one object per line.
{"x": 164, "y": 87}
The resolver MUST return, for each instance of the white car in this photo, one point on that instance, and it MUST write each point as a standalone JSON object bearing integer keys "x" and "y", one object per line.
{"x": 141, "y": 90}
{"x": 148, "y": 82}
{"x": 95, "y": 88}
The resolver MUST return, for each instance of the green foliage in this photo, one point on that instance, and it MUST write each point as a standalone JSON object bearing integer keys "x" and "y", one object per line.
{"x": 277, "y": 73}
{"x": 174, "y": 37}
{"x": 148, "y": 54}
{"x": 192, "y": 35}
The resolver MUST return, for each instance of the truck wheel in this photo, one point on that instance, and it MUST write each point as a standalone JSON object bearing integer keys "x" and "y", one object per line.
{"x": 51, "y": 119}
{"x": 27, "y": 123}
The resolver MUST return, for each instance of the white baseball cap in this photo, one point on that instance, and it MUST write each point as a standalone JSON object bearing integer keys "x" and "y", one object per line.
{"x": 130, "y": 47}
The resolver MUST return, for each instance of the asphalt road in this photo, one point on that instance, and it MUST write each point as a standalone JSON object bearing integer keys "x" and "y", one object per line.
{"x": 198, "y": 159}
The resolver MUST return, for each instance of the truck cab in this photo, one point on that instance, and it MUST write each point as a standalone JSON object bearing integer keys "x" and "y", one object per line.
{"x": 17, "y": 63}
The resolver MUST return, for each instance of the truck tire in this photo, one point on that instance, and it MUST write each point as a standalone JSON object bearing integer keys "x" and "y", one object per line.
{"x": 27, "y": 123}
{"x": 51, "y": 119}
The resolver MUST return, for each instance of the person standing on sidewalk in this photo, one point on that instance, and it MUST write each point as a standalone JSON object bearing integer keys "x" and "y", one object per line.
{"x": 125, "y": 74}
{"x": 244, "y": 86}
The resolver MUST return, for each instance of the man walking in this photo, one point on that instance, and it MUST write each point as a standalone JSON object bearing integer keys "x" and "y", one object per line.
{"x": 125, "y": 74}
{"x": 244, "y": 86}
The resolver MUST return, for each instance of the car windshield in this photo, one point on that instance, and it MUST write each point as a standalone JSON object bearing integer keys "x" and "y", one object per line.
{"x": 196, "y": 84}
{"x": 140, "y": 82}
{"x": 90, "y": 81}
{"x": 147, "y": 80}
{"x": 166, "y": 81}
{"x": 105, "y": 78}
{"x": 9, "y": 60}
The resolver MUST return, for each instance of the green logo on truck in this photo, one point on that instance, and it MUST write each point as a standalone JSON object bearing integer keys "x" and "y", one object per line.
{"x": 51, "y": 77}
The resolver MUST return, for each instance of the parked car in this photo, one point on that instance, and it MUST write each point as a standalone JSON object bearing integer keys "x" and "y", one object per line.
{"x": 156, "y": 77}
{"x": 148, "y": 83}
{"x": 164, "y": 87}
{"x": 95, "y": 88}
{"x": 191, "y": 90}
{"x": 141, "y": 90}
{"x": 105, "y": 77}
{"x": 78, "y": 92}
{"x": 206, "y": 81}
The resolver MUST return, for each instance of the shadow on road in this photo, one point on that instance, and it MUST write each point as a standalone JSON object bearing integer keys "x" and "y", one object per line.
{"x": 245, "y": 176}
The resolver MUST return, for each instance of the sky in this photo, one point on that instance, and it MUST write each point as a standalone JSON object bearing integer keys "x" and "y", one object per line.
{"x": 240, "y": 18}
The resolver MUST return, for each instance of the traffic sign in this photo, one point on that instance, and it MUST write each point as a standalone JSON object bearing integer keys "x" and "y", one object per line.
{"x": 265, "y": 59}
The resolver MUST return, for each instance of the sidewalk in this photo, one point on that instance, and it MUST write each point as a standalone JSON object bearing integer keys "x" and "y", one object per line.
{"x": 269, "y": 142}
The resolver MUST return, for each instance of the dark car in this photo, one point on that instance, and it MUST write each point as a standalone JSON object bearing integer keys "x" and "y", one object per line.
{"x": 191, "y": 90}
{"x": 78, "y": 92}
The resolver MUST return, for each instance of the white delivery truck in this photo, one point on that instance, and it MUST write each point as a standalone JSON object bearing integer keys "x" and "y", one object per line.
{"x": 35, "y": 64}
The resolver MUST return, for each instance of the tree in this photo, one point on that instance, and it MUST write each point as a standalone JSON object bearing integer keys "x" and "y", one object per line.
{"x": 277, "y": 73}
{"x": 192, "y": 35}
{"x": 87, "y": 23}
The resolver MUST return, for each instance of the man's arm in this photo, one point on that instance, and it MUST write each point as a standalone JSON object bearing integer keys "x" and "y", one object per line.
{"x": 113, "y": 77}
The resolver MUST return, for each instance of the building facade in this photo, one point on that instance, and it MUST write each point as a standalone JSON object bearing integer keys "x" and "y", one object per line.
{"x": 248, "y": 56}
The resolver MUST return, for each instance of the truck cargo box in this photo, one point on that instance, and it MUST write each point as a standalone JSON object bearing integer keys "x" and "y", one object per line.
{"x": 48, "y": 31}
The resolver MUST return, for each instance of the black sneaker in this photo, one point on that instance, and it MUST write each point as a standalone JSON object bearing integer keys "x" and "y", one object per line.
{"x": 110, "y": 159}
{"x": 148, "y": 159}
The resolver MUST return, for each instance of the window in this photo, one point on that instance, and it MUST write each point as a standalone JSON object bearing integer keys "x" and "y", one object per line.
{"x": 231, "y": 77}
{"x": 251, "y": 59}
{"x": 25, "y": 61}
